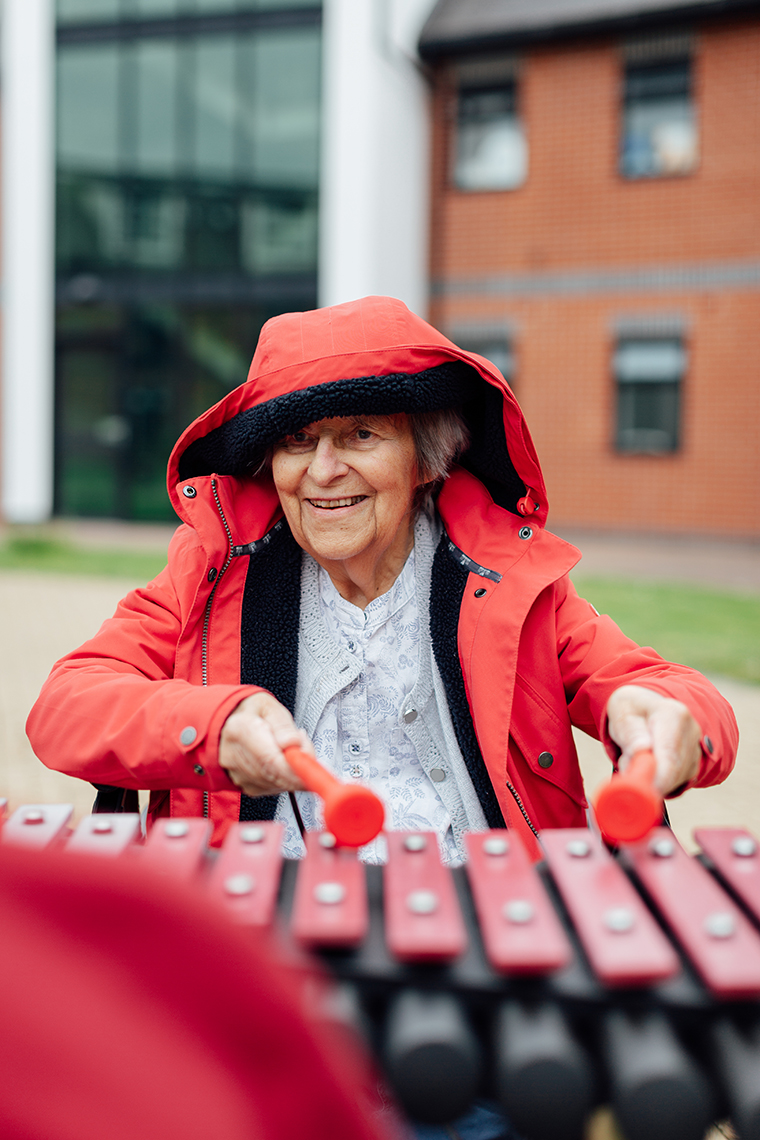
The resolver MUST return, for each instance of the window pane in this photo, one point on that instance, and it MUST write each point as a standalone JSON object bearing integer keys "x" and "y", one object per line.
{"x": 88, "y": 110}
{"x": 497, "y": 350}
{"x": 156, "y": 98}
{"x": 147, "y": 8}
{"x": 491, "y": 150}
{"x": 650, "y": 361}
{"x": 648, "y": 374}
{"x": 279, "y": 237}
{"x": 280, "y": 75}
{"x": 79, "y": 11}
{"x": 248, "y": 5}
{"x": 659, "y": 134}
{"x": 648, "y": 417}
{"x": 216, "y": 106}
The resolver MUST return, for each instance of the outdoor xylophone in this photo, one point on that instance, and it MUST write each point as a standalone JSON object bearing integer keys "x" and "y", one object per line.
{"x": 630, "y": 980}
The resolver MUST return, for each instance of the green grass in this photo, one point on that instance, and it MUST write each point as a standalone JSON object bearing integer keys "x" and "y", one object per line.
{"x": 40, "y": 552}
{"x": 713, "y": 631}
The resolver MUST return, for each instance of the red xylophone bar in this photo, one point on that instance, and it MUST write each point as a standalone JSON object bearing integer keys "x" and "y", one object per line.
{"x": 547, "y": 1038}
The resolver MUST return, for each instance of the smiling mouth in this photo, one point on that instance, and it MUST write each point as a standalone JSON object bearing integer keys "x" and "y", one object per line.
{"x": 333, "y": 504}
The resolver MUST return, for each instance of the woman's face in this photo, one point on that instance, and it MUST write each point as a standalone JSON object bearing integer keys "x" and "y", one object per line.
{"x": 347, "y": 486}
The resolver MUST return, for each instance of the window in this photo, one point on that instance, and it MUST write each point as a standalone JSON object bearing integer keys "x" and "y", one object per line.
{"x": 491, "y": 151}
{"x": 81, "y": 11}
{"x": 648, "y": 375}
{"x": 659, "y": 128}
{"x": 491, "y": 341}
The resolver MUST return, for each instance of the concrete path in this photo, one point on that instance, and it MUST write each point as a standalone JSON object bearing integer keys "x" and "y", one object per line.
{"x": 726, "y": 564}
{"x": 43, "y": 616}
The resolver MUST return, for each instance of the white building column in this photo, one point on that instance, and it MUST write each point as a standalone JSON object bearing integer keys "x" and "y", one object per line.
{"x": 27, "y": 190}
{"x": 375, "y": 148}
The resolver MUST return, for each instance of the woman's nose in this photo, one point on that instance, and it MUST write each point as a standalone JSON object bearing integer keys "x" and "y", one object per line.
{"x": 326, "y": 463}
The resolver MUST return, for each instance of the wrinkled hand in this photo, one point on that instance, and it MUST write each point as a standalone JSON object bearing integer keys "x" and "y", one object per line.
{"x": 251, "y": 743}
{"x": 639, "y": 718}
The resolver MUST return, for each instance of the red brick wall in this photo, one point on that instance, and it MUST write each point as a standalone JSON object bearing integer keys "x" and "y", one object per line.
{"x": 575, "y": 212}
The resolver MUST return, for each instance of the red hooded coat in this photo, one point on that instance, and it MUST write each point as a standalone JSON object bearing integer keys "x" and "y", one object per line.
{"x": 142, "y": 704}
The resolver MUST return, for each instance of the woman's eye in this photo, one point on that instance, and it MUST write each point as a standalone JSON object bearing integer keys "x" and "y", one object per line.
{"x": 364, "y": 433}
{"x": 296, "y": 442}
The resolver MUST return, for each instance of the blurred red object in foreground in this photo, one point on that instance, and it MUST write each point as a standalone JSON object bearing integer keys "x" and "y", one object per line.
{"x": 629, "y": 805}
{"x": 132, "y": 1008}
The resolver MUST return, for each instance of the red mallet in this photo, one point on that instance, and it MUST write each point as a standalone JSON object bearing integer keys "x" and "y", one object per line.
{"x": 629, "y": 805}
{"x": 353, "y": 814}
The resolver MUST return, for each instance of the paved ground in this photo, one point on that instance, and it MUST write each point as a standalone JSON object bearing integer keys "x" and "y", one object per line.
{"x": 43, "y": 616}
{"x": 722, "y": 563}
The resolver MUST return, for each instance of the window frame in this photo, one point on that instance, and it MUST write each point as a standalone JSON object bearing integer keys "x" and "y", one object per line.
{"x": 651, "y": 52}
{"x": 488, "y": 75}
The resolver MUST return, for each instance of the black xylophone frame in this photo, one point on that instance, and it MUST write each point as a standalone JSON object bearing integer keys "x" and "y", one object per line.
{"x": 630, "y": 979}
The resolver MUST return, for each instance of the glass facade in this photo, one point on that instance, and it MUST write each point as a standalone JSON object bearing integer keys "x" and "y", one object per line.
{"x": 187, "y": 174}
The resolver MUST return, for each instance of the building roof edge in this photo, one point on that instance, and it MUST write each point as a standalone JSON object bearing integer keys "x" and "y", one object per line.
{"x": 622, "y": 16}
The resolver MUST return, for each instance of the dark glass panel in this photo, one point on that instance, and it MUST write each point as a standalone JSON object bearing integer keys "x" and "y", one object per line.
{"x": 648, "y": 417}
{"x": 88, "y": 108}
{"x": 130, "y": 379}
{"x": 197, "y": 155}
{"x": 102, "y": 11}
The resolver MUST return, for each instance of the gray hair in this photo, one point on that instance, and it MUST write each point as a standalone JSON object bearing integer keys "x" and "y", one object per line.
{"x": 439, "y": 439}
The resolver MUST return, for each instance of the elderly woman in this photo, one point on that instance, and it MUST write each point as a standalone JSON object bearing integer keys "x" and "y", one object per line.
{"x": 363, "y": 567}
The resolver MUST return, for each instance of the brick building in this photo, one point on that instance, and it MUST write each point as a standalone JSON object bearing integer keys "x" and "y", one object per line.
{"x": 596, "y": 232}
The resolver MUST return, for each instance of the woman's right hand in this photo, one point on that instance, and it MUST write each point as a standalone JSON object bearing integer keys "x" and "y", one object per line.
{"x": 251, "y": 743}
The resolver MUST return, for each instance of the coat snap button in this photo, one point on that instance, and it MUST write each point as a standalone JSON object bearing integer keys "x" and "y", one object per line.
{"x": 212, "y": 573}
{"x": 545, "y": 760}
{"x": 709, "y": 746}
{"x": 189, "y": 492}
{"x": 479, "y": 593}
{"x": 525, "y": 532}
{"x": 199, "y": 770}
{"x": 188, "y": 735}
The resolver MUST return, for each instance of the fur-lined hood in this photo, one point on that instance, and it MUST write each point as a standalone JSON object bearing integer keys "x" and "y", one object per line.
{"x": 371, "y": 357}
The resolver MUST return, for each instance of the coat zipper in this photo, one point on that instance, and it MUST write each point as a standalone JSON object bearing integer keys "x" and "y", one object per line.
{"x": 207, "y": 614}
{"x": 204, "y": 648}
{"x": 521, "y": 806}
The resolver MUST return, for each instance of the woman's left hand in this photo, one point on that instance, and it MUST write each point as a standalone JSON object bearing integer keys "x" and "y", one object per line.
{"x": 639, "y": 718}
